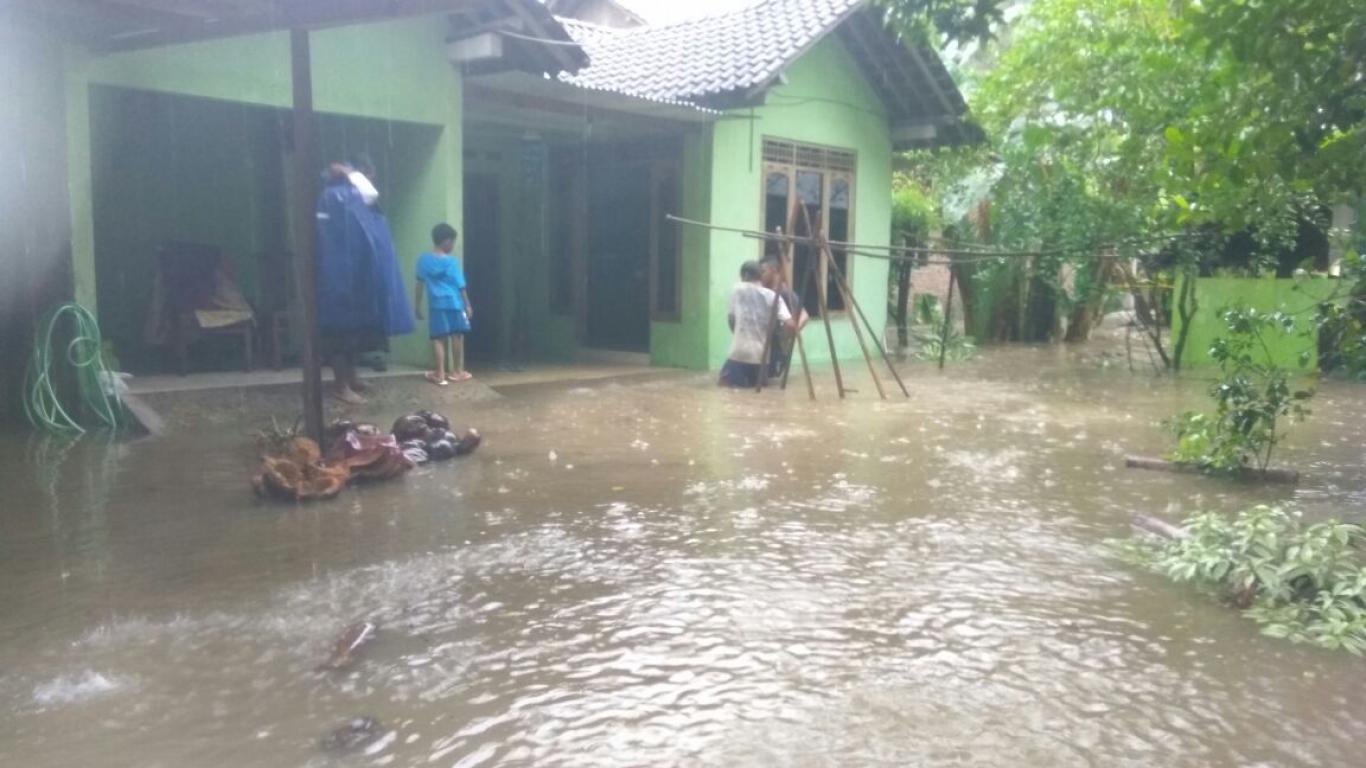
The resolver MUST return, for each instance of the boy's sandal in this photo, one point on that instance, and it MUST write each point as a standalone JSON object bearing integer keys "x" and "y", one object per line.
{"x": 462, "y": 376}
{"x": 432, "y": 377}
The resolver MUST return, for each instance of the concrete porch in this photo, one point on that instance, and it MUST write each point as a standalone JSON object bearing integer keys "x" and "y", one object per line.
{"x": 594, "y": 369}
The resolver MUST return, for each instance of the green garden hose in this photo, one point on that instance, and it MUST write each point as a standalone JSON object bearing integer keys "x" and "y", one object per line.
{"x": 84, "y": 354}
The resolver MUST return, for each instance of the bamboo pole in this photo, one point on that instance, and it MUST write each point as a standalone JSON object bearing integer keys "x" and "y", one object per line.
{"x": 762, "y": 378}
{"x": 817, "y": 240}
{"x": 909, "y": 253}
{"x": 829, "y": 333}
{"x": 801, "y": 345}
{"x": 848, "y": 295}
{"x": 788, "y": 263}
{"x": 848, "y": 289}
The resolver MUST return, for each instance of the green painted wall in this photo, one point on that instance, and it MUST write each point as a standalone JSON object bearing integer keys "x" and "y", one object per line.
{"x": 35, "y": 261}
{"x": 1214, "y": 294}
{"x": 393, "y": 71}
{"x": 684, "y": 344}
{"x": 390, "y": 70}
{"x": 826, "y": 101}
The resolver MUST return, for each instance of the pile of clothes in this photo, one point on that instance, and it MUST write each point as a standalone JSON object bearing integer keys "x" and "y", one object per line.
{"x": 425, "y": 436}
{"x": 359, "y": 453}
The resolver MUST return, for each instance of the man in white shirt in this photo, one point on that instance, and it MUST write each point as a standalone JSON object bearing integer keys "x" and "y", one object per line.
{"x": 751, "y": 311}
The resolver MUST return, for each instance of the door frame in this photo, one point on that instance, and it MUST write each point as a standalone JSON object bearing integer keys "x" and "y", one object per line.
{"x": 491, "y": 263}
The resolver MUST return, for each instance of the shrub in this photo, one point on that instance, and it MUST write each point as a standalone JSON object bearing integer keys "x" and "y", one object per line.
{"x": 1253, "y": 398}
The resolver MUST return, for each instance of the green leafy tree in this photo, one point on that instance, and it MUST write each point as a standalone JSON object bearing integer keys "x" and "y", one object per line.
{"x": 958, "y": 21}
{"x": 1124, "y": 120}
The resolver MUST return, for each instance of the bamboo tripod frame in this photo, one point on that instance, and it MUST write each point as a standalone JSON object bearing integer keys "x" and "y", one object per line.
{"x": 824, "y": 264}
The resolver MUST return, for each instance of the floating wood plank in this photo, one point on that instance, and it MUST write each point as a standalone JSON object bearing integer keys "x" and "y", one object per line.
{"x": 1160, "y": 527}
{"x": 1250, "y": 474}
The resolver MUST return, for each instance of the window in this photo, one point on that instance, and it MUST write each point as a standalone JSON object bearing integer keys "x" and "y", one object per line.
{"x": 666, "y": 264}
{"x": 822, "y": 180}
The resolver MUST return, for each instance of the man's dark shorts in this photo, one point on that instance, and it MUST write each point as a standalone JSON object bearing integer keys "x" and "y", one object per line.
{"x": 740, "y": 375}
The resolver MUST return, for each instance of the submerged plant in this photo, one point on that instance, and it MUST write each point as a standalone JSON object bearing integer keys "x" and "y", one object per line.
{"x": 1305, "y": 583}
{"x": 276, "y": 439}
{"x": 1253, "y": 398}
{"x": 934, "y": 337}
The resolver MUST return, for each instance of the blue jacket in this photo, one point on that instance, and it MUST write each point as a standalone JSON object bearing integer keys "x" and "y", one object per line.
{"x": 360, "y": 286}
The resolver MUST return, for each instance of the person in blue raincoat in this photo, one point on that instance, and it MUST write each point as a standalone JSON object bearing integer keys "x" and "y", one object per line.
{"x": 361, "y": 299}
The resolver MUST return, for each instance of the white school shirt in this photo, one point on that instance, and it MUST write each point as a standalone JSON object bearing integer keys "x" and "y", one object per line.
{"x": 751, "y": 305}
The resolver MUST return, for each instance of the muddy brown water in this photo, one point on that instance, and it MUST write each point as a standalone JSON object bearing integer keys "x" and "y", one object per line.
{"x": 695, "y": 577}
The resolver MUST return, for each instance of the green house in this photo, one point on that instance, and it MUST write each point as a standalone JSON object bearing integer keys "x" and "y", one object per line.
{"x": 558, "y": 148}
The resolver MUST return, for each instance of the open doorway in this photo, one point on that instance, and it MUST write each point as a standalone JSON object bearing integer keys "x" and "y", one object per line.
{"x": 619, "y": 258}
{"x": 208, "y": 177}
{"x": 481, "y": 246}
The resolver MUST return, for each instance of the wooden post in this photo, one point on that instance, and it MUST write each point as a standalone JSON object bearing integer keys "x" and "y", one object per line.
{"x": 948, "y": 321}
{"x": 305, "y": 228}
{"x": 825, "y": 318}
{"x": 838, "y": 276}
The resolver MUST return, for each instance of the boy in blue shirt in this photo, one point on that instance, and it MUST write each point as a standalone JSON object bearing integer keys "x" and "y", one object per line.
{"x": 442, "y": 278}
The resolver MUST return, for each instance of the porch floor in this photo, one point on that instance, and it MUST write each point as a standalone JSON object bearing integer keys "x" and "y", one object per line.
{"x": 539, "y": 373}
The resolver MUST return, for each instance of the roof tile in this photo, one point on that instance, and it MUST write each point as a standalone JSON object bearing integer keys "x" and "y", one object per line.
{"x": 692, "y": 60}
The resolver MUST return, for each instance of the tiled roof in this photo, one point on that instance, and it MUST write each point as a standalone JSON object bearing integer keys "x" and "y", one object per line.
{"x": 730, "y": 59}
{"x": 701, "y": 59}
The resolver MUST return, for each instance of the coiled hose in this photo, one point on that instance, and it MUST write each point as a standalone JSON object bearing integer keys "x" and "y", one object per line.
{"x": 99, "y": 403}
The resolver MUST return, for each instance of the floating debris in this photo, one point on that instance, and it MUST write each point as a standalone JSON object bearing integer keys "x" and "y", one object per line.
{"x": 349, "y": 645}
{"x": 357, "y": 733}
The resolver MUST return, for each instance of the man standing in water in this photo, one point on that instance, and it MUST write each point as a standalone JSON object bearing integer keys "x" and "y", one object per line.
{"x": 361, "y": 301}
{"x": 751, "y": 307}
{"x": 780, "y": 347}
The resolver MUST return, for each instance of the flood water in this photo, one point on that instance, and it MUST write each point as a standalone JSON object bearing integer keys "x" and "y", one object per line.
{"x": 662, "y": 573}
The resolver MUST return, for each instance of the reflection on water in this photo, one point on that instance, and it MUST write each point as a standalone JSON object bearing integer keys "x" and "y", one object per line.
{"x": 663, "y": 574}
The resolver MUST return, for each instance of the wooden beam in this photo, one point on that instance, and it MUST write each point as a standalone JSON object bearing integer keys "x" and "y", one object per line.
{"x": 578, "y": 112}
{"x": 914, "y": 131}
{"x": 569, "y": 58}
{"x": 949, "y": 107}
{"x": 181, "y": 9}
{"x": 107, "y": 16}
{"x": 286, "y": 14}
{"x": 856, "y": 38}
{"x": 306, "y": 227}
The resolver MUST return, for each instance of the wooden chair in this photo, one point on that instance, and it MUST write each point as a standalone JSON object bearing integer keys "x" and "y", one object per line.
{"x": 190, "y": 275}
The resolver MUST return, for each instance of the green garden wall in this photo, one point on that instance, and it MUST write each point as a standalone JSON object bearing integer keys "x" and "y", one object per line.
{"x": 393, "y": 71}
{"x": 825, "y": 101}
{"x": 1214, "y": 294}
